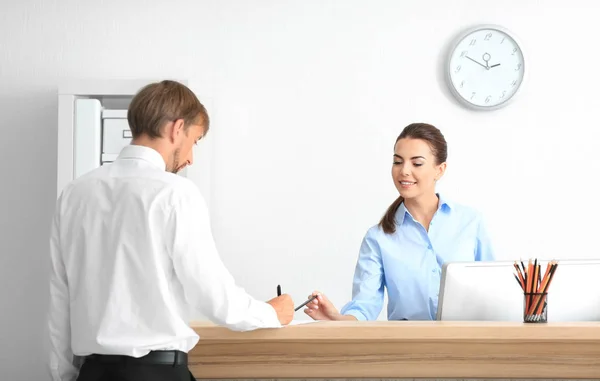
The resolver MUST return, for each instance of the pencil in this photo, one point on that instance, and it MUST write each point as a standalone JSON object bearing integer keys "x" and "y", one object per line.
{"x": 518, "y": 281}
{"x": 542, "y": 287}
{"x": 542, "y": 297}
{"x": 529, "y": 289}
{"x": 519, "y": 276}
{"x": 305, "y": 303}
{"x": 535, "y": 287}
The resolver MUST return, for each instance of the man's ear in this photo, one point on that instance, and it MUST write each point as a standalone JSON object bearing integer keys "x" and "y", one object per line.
{"x": 175, "y": 128}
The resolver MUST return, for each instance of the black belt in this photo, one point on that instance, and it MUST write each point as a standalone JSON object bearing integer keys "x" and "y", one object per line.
{"x": 154, "y": 357}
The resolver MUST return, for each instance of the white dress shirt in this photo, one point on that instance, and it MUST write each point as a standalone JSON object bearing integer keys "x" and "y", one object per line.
{"x": 133, "y": 258}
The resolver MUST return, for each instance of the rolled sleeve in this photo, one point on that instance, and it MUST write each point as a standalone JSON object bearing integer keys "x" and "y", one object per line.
{"x": 368, "y": 284}
{"x": 484, "y": 250}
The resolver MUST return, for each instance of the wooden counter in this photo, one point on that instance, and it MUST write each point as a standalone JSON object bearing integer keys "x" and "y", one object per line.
{"x": 400, "y": 350}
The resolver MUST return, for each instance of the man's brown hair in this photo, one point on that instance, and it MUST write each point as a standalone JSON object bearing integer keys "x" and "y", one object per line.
{"x": 159, "y": 103}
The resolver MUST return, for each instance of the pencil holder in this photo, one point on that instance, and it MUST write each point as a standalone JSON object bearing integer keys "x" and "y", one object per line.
{"x": 535, "y": 307}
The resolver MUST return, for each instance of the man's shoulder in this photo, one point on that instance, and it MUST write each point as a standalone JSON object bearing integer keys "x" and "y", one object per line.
{"x": 180, "y": 191}
{"x": 83, "y": 181}
{"x": 178, "y": 187}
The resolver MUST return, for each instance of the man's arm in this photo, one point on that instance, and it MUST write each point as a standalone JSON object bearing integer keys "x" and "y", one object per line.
{"x": 207, "y": 283}
{"x": 59, "y": 328}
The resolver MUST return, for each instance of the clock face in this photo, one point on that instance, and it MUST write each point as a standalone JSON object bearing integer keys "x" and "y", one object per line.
{"x": 486, "y": 68}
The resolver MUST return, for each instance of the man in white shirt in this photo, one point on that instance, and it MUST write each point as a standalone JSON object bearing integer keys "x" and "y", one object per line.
{"x": 133, "y": 256}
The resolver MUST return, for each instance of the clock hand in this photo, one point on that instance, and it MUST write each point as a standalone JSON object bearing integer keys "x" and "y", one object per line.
{"x": 478, "y": 63}
{"x": 486, "y": 57}
{"x": 495, "y": 65}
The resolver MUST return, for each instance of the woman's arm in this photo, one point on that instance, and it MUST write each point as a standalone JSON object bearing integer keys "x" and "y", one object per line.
{"x": 367, "y": 289}
{"x": 368, "y": 283}
{"x": 483, "y": 250}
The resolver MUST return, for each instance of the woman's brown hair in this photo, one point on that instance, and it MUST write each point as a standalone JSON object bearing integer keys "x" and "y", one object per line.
{"x": 439, "y": 148}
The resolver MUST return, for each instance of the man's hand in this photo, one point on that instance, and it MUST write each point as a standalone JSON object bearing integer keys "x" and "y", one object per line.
{"x": 284, "y": 306}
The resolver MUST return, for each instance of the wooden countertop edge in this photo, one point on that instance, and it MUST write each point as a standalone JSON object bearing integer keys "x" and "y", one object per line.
{"x": 369, "y": 350}
{"x": 408, "y": 331}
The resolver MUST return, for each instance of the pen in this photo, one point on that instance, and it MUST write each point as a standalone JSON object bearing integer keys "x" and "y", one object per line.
{"x": 305, "y": 303}
{"x": 278, "y": 290}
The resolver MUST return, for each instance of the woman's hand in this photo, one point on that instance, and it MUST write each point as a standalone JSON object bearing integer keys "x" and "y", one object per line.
{"x": 321, "y": 308}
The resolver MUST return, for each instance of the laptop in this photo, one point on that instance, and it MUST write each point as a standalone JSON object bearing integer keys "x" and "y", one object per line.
{"x": 488, "y": 291}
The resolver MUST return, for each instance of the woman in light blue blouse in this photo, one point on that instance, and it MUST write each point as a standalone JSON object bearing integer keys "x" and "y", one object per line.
{"x": 420, "y": 231}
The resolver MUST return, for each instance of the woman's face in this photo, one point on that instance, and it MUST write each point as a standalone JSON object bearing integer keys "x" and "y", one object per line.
{"x": 415, "y": 170}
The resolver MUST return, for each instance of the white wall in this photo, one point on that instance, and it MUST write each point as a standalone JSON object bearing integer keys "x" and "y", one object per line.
{"x": 306, "y": 99}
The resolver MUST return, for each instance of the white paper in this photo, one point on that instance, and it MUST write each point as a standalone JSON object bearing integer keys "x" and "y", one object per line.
{"x": 300, "y": 322}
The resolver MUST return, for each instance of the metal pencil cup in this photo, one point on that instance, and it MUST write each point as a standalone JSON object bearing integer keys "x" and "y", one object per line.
{"x": 535, "y": 307}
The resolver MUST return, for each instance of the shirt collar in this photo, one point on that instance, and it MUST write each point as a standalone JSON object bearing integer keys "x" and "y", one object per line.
{"x": 443, "y": 205}
{"x": 144, "y": 153}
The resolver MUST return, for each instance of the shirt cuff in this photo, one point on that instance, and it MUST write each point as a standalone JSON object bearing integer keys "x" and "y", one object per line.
{"x": 267, "y": 315}
{"x": 357, "y": 314}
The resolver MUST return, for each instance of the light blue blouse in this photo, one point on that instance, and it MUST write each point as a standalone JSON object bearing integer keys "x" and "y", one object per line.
{"x": 408, "y": 263}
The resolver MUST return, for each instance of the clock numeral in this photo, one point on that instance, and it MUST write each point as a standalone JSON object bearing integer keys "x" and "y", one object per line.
{"x": 457, "y": 69}
{"x": 488, "y": 37}
{"x": 503, "y": 94}
{"x": 503, "y": 38}
{"x": 473, "y": 95}
{"x": 514, "y": 51}
{"x": 473, "y": 41}
{"x": 462, "y": 84}
{"x": 518, "y": 67}
{"x": 488, "y": 99}
{"x": 514, "y": 83}
{"x": 464, "y": 53}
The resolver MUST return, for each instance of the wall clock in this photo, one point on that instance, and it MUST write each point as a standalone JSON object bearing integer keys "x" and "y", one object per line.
{"x": 485, "y": 67}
